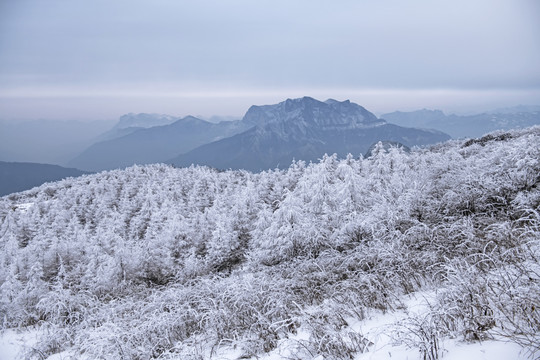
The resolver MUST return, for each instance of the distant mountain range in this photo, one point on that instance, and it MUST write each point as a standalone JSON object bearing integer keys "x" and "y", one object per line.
{"x": 267, "y": 137}
{"x": 470, "y": 125}
{"x": 154, "y": 144}
{"x": 130, "y": 123}
{"x": 302, "y": 129}
{"x": 16, "y": 176}
{"x": 516, "y": 109}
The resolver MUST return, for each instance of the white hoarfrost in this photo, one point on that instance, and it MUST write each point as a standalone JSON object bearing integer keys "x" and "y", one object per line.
{"x": 429, "y": 254}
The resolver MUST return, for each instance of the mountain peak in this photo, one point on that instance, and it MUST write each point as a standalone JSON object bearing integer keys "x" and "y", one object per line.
{"x": 309, "y": 112}
{"x": 191, "y": 118}
{"x": 144, "y": 120}
{"x": 334, "y": 101}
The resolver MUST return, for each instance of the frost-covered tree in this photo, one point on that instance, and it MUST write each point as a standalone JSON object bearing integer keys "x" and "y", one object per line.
{"x": 148, "y": 261}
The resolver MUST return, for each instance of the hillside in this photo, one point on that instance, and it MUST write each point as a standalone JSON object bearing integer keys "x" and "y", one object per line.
{"x": 159, "y": 262}
{"x": 15, "y": 176}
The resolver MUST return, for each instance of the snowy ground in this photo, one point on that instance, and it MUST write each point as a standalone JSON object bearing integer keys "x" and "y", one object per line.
{"x": 377, "y": 328}
{"x": 13, "y": 342}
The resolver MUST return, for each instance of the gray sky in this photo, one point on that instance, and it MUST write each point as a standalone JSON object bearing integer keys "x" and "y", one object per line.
{"x": 75, "y": 59}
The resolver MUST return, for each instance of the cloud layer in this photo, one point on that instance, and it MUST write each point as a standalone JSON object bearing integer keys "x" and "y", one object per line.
{"x": 240, "y": 47}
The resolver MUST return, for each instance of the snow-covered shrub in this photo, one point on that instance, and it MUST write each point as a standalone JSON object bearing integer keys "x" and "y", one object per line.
{"x": 330, "y": 335}
{"x": 251, "y": 311}
{"x": 495, "y": 292}
{"x": 422, "y": 332}
{"x": 149, "y": 261}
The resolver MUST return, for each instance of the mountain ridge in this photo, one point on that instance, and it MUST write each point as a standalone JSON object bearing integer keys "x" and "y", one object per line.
{"x": 302, "y": 129}
{"x": 154, "y": 144}
{"x": 462, "y": 126}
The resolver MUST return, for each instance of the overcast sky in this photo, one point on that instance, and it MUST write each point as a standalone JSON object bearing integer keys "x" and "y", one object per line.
{"x": 99, "y": 59}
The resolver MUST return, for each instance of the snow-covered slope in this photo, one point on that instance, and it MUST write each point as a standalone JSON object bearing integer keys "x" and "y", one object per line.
{"x": 381, "y": 328}
{"x": 442, "y": 244}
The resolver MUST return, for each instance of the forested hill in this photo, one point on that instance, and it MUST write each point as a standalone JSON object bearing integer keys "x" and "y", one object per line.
{"x": 160, "y": 262}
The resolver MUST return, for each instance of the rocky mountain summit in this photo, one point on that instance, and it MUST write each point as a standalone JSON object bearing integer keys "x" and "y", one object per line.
{"x": 302, "y": 129}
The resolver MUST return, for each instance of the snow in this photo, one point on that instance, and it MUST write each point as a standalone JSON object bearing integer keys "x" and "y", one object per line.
{"x": 325, "y": 250}
{"x": 487, "y": 350}
{"x": 378, "y": 328}
{"x": 23, "y": 207}
{"x": 452, "y": 350}
{"x": 13, "y": 343}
